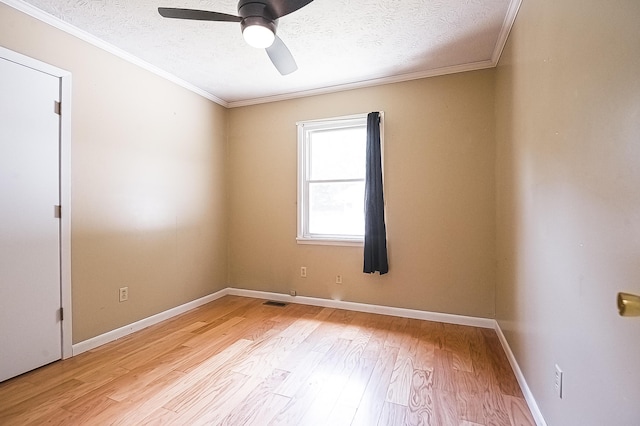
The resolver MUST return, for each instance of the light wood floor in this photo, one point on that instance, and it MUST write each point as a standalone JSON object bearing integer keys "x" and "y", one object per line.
{"x": 236, "y": 361}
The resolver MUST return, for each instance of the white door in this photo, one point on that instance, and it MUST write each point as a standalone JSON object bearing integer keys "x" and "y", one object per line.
{"x": 30, "y": 323}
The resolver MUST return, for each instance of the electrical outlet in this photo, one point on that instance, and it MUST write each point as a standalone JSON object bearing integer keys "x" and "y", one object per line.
{"x": 292, "y": 292}
{"x": 124, "y": 294}
{"x": 558, "y": 382}
{"x": 338, "y": 279}
{"x": 303, "y": 271}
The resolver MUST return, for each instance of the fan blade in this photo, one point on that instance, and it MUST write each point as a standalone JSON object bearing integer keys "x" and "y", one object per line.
{"x": 280, "y": 8}
{"x": 281, "y": 57}
{"x": 199, "y": 15}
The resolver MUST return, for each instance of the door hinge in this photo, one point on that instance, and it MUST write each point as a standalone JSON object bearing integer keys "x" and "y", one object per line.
{"x": 57, "y": 212}
{"x": 61, "y": 314}
{"x": 57, "y": 108}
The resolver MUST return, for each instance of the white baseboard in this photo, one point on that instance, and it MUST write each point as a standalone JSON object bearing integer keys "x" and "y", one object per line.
{"x": 363, "y": 307}
{"x": 118, "y": 333}
{"x": 528, "y": 396}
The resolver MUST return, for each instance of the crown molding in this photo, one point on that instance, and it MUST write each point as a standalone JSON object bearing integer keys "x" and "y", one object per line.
{"x": 475, "y": 66}
{"x": 507, "y": 24}
{"x": 108, "y": 47}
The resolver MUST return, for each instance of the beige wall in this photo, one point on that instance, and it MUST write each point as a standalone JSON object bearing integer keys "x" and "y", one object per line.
{"x": 439, "y": 189}
{"x": 568, "y": 179}
{"x": 148, "y": 182}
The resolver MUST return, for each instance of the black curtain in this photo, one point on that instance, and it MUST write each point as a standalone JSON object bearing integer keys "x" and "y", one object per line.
{"x": 375, "y": 233}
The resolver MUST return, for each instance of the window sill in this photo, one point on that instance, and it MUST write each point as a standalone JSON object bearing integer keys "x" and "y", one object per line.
{"x": 331, "y": 242}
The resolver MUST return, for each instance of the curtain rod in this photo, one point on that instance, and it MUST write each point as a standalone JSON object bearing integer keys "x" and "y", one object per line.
{"x": 342, "y": 118}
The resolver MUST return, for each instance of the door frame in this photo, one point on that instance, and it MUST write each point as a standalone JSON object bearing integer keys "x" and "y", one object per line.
{"x": 65, "y": 186}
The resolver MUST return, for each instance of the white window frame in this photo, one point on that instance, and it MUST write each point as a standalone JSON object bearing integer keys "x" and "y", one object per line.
{"x": 305, "y": 128}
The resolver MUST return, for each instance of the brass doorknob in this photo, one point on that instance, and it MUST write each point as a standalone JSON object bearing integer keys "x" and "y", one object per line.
{"x": 628, "y": 305}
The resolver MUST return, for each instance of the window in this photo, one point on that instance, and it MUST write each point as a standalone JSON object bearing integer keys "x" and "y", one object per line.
{"x": 331, "y": 175}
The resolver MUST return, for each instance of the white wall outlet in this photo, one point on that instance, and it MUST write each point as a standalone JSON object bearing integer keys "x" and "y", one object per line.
{"x": 293, "y": 292}
{"x": 338, "y": 279}
{"x": 124, "y": 294}
{"x": 558, "y": 382}
{"x": 303, "y": 271}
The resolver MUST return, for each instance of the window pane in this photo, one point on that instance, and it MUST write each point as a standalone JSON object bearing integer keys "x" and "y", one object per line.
{"x": 336, "y": 208}
{"x": 338, "y": 153}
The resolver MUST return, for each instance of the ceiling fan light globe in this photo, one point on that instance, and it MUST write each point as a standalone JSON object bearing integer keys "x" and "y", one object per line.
{"x": 258, "y": 36}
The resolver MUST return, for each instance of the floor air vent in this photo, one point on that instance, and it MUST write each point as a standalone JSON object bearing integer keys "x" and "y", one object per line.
{"x": 274, "y": 303}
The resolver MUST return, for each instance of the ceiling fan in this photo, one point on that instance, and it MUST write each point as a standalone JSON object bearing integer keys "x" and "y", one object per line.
{"x": 258, "y": 21}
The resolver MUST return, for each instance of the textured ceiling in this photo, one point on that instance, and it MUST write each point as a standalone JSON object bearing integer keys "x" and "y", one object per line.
{"x": 335, "y": 42}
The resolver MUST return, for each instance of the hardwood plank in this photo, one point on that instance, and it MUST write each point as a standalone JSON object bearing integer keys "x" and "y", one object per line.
{"x": 445, "y": 407}
{"x": 400, "y": 385}
{"x": 86, "y": 395}
{"x": 200, "y": 386}
{"x": 256, "y": 329}
{"x": 57, "y": 417}
{"x": 331, "y": 388}
{"x": 373, "y": 399}
{"x": 324, "y": 336}
{"x": 264, "y": 357}
{"x": 354, "y": 327}
{"x": 400, "y": 382}
{"x": 99, "y": 415}
{"x": 61, "y": 371}
{"x": 219, "y": 400}
{"x": 16, "y": 390}
{"x": 209, "y": 350}
{"x": 397, "y": 331}
{"x": 342, "y": 316}
{"x": 355, "y": 387}
{"x": 126, "y": 387}
{"x": 87, "y": 392}
{"x": 140, "y": 405}
{"x": 172, "y": 388}
{"x": 425, "y": 355}
{"x": 161, "y": 416}
{"x": 237, "y": 308}
{"x": 341, "y": 415}
{"x": 470, "y": 408}
{"x": 273, "y": 405}
{"x": 443, "y": 373}
{"x": 379, "y": 327}
{"x": 433, "y": 333}
{"x": 47, "y": 398}
{"x": 494, "y": 409}
{"x": 518, "y": 411}
{"x": 299, "y": 373}
{"x": 295, "y": 410}
{"x": 457, "y": 341}
{"x": 261, "y": 404}
{"x": 221, "y": 327}
{"x": 420, "y": 411}
{"x": 300, "y": 329}
{"x": 355, "y": 351}
{"x": 392, "y": 414}
{"x": 322, "y": 314}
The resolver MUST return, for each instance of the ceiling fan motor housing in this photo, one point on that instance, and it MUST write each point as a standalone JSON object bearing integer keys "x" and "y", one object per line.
{"x": 256, "y": 13}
